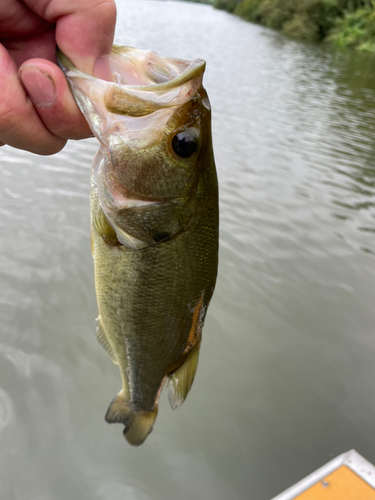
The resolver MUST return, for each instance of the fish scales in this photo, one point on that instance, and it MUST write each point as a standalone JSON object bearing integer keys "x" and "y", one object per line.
{"x": 159, "y": 298}
{"x": 154, "y": 224}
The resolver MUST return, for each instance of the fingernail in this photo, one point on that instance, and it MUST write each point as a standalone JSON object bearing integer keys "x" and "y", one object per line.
{"x": 39, "y": 86}
{"x": 102, "y": 69}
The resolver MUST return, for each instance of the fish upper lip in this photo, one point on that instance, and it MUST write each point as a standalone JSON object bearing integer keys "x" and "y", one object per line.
{"x": 194, "y": 69}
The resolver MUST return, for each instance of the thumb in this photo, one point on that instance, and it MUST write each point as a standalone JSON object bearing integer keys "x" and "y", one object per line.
{"x": 84, "y": 28}
{"x": 47, "y": 87}
{"x": 87, "y": 33}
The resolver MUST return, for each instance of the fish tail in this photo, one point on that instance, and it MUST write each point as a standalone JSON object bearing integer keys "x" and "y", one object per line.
{"x": 138, "y": 424}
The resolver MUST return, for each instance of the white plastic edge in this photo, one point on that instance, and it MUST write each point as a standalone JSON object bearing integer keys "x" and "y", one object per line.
{"x": 362, "y": 467}
{"x": 351, "y": 459}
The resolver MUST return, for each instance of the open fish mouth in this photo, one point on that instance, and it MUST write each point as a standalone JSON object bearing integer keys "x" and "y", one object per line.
{"x": 136, "y": 116}
{"x": 140, "y": 68}
{"x": 142, "y": 82}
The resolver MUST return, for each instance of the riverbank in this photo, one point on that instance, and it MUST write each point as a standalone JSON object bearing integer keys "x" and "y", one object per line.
{"x": 346, "y": 23}
{"x": 209, "y": 2}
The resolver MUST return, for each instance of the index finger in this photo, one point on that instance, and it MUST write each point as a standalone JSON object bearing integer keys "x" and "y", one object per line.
{"x": 84, "y": 28}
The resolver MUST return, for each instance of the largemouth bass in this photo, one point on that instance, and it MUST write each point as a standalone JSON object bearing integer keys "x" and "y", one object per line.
{"x": 154, "y": 224}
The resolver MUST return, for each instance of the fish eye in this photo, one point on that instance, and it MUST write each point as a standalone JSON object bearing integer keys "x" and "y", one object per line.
{"x": 184, "y": 144}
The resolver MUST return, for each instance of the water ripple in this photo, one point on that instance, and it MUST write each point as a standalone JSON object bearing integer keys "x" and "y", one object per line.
{"x": 288, "y": 343}
{"x": 27, "y": 364}
{"x": 6, "y": 410}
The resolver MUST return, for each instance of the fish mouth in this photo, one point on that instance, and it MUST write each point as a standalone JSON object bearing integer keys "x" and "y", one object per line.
{"x": 142, "y": 70}
{"x": 134, "y": 113}
{"x": 143, "y": 84}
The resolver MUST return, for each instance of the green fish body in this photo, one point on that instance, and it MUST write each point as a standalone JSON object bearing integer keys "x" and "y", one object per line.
{"x": 154, "y": 224}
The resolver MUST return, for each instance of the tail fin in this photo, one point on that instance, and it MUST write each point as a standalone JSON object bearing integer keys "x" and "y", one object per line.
{"x": 138, "y": 424}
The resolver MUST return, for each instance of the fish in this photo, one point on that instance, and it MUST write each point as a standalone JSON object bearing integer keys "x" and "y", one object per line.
{"x": 154, "y": 223}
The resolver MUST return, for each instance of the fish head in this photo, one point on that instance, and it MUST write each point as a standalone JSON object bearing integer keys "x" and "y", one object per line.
{"x": 153, "y": 122}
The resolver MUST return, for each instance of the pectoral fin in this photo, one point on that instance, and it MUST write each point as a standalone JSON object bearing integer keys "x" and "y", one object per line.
{"x": 130, "y": 241}
{"x": 104, "y": 229}
{"x": 181, "y": 380}
{"x": 103, "y": 341}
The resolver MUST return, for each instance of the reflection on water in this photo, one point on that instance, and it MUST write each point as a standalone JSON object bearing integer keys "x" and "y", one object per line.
{"x": 6, "y": 410}
{"x": 286, "y": 373}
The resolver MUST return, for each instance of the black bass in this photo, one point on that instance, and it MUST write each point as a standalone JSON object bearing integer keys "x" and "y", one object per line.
{"x": 154, "y": 224}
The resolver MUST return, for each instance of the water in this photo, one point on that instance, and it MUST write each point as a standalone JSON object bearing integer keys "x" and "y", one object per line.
{"x": 286, "y": 374}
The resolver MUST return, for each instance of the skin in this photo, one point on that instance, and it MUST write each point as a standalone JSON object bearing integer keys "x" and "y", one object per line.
{"x": 37, "y": 111}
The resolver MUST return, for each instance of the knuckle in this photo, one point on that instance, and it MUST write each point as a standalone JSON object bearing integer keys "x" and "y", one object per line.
{"x": 8, "y": 116}
{"x": 107, "y": 11}
{"x": 19, "y": 130}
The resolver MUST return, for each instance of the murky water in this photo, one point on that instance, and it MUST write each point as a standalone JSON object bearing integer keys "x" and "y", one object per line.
{"x": 287, "y": 374}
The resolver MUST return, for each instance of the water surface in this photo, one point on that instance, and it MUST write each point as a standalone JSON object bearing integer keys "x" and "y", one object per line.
{"x": 286, "y": 374}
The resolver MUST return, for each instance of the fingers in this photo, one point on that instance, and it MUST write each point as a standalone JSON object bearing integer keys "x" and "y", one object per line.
{"x": 84, "y": 29}
{"x": 40, "y": 114}
{"x": 40, "y": 45}
{"x": 47, "y": 87}
{"x": 16, "y": 19}
{"x": 20, "y": 124}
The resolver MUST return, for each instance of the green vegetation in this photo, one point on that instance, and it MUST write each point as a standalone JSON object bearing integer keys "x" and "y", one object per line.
{"x": 211, "y": 2}
{"x": 228, "y": 5}
{"x": 356, "y": 29}
{"x": 348, "y": 23}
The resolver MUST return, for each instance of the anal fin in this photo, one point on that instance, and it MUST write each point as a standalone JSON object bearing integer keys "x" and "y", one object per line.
{"x": 103, "y": 341}
{"x": 181, "y": 380}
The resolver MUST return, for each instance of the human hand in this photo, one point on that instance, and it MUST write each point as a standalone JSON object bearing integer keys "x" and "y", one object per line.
{"x": 37, "y": 110}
